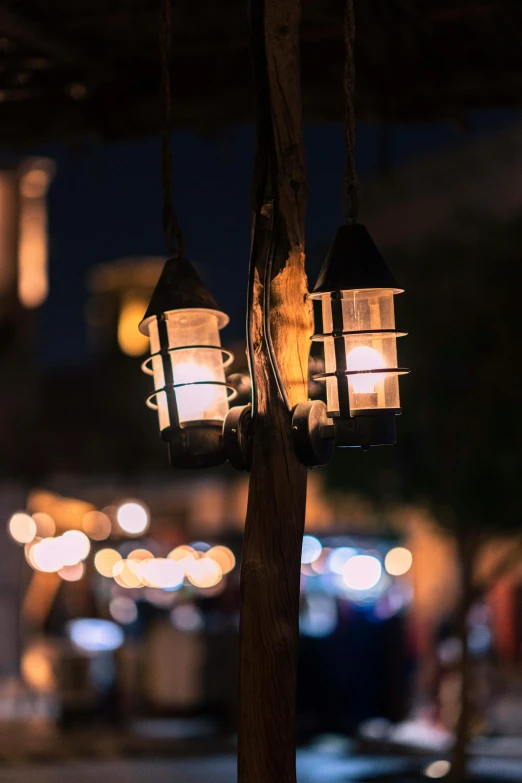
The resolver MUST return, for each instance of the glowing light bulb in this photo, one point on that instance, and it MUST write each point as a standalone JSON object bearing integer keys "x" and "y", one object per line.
{"x": 195, "y": 399}
{"x": 365, "y": 358}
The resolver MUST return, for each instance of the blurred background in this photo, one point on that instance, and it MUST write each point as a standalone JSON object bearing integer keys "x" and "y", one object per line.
{"x": 120, "y": 577}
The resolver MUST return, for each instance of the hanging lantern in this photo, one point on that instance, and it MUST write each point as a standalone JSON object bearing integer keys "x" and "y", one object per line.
{"x": 188, "y": 364}
{"x": 356, "y": 291}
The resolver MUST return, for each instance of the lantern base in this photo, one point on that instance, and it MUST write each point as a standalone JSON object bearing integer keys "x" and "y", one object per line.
{"x": 197, "y": 444}
{"x": 365, "y": 431}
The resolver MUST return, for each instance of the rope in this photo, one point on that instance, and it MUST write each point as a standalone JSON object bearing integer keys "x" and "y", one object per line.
{"x": 171, "y": 227}
{"x": 350, "y": 182}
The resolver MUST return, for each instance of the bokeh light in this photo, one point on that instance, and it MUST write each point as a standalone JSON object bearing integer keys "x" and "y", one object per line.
{"x": 339, "y": 557}
{"x": 204, "y": 573}
{"x": 185, "y": 556}
{"x": 161, "y": 572}
{"x": 97, "y": 525}
{"x": 311, "y": 549}
{"x": 181, "y": 552}
{"x": 438, "y": 769}
{"x": 133, "y": 518}
{"x": 362, "y": 572}
{"x": 187, "y": 618}
{"x": 28, "y": 552}
{"x": 140, "y": 554}
{"x": 74, "y": 546}
{"x": 320, "y": 566}
{"x": 398, "y": 561}
{"x": 45, "y": 525}
{"x": 124, "y": 574}
{"x": 200, "y": 546}
{"x": 47, "y": 555}
{"x": 223, "y": 556}
{"x": 94, "y": 635}
{"x": 37, "y": 668}
{"x": 22, "y": 528}
{"x": 123, "y": 610}
{"x": 105, "y": 560}
{"x": 72, "y": 573}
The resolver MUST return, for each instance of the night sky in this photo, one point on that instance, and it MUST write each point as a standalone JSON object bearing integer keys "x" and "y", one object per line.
{"x": 105, "y": 203}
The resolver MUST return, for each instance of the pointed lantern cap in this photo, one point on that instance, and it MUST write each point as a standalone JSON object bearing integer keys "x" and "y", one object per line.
{"x": 354, "y": 263}
{"x": 180, "y": 288}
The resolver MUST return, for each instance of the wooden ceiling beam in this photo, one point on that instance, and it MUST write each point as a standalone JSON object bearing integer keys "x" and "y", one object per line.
{"x": 22, "y": 30}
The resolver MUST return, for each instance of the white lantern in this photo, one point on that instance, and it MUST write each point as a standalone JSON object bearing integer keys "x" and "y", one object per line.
{"x": 356, "y": 290}
{"x": 188, "y": 364}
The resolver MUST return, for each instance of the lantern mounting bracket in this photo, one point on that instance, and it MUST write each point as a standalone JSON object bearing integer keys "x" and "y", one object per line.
{"x": 237, "y": 436}
{"x": 313, "y": 433}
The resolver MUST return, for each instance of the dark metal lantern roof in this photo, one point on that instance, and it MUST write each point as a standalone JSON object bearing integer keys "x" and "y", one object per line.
{"x": 353, "y": 263}
{"x": 179, "y": 288}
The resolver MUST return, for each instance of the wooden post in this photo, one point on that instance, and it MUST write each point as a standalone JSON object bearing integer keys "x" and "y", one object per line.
{"x": 270, "y": 569}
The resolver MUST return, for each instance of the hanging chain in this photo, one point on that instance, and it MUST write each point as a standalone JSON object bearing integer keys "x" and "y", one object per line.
{"x": 350, "y": 182}
{"x": 171, "y": 227}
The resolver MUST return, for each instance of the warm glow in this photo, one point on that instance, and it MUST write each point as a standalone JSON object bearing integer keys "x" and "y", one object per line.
{"x": 28, "y": 552}
{"x": 105, "y": 560}
{"x": 133, "y": 518}
{"x": 193, "y": 341}
{"x": 365, "y": 358}
{"x": 45, "y": 525}
{"x": 131, "y": 341}
{"x": 34, "y": 183}
{"x": 182, "y": 552}
{"x": 37, "y": 669}
{"x": 204, "y": 573}
{"x": 33, "y": 284}
{"x": 140, "y": 554}
{"x": 124, "y": 574}
{"x": 320, "y": 566}
{"x": 161, "y": 572}
{"x": 72, "y": 573}
{"x": 362, "y": 572}
{"x": 185, "y": 556}
{"x": 398, "y": 561}
{"x": 97, "y": 525}
{"x": 438, "y": 769}
{"x": 22, "y": 528}
{"x": 74, "y": 547}
{"x": 370, "y": 344}
{"x": 311, "y": 549}
{"x": 194, "y": 400}
{"x": 223, "y": 556}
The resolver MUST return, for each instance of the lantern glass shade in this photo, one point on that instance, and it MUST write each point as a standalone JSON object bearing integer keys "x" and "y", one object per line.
{"x": 370, "y": 345}
{"x": 198, "y": 371}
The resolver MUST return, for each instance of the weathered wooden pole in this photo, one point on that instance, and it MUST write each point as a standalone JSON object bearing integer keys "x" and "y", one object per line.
{"x": 270, "y": 570}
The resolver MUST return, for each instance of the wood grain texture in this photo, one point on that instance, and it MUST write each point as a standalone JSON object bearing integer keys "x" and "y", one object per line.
{"x": 270, "y": 569}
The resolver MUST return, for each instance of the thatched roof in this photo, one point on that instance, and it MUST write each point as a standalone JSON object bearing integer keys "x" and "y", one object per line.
{"x": 81, "y": 68}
